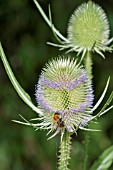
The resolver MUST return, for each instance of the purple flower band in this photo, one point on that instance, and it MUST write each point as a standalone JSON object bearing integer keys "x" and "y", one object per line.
{"x": 63, "y": 85}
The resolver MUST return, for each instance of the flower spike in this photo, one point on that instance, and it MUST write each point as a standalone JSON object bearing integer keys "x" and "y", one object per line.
{"x": 65, "y": 95}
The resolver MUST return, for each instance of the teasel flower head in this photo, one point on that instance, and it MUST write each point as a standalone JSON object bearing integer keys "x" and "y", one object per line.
{"x": 88, "y": 30}
{"x": 65, "y": 95}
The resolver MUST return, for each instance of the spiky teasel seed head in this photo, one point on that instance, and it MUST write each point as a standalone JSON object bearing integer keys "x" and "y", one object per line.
{"x": 65, "y": 94}
{"x": 88, "y": 29}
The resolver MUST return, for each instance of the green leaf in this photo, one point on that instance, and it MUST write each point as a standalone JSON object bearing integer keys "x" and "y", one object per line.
{"x": 105, "y": 160}
{"x": 24, "y": 96}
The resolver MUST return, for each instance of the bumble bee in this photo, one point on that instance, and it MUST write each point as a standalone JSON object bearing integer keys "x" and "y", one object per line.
{"x": 58, "y": 119}
{"x": 60, "y": 123}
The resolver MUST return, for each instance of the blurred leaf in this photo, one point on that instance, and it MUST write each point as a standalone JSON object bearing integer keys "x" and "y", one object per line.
{"x": 104, "y": 161}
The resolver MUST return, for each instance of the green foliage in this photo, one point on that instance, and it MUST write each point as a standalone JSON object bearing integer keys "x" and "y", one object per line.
{"x": 105, "y": 160}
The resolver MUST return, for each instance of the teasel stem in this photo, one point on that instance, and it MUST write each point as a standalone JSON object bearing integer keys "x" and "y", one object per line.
{"x": 65, "y": 147}
{"x": 88, "y": 65}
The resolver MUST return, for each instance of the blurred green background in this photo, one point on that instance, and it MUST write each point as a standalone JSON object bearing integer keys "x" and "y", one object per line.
{"x": 24, "y": 34}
